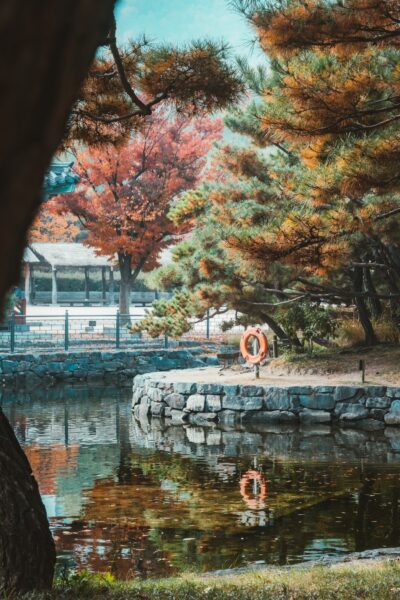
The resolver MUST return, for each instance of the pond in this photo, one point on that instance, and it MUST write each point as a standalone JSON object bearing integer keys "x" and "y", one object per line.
{"x": 147, "y": 499}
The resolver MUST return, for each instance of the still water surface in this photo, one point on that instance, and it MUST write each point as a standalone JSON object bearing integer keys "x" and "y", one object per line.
{"x": 145, "y": 499}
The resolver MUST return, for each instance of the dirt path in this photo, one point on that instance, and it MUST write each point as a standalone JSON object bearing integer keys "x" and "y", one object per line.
{"x": 337, "y": 367}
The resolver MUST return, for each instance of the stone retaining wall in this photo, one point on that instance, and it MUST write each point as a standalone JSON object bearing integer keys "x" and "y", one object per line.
{"x": 369, "y": 407}
{"x": 29, "y": 370}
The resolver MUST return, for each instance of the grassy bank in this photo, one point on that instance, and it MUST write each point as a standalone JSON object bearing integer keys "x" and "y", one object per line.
{"x": 374, "y": 580}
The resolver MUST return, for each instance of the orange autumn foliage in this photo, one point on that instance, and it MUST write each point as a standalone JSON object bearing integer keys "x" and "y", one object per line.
{"x": 49, "y": 226}
{"x": 125, "y": 192}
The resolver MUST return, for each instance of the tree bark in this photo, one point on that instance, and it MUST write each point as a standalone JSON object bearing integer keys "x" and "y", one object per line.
{"x": 375, "y": 303}
{"x": 27, "y": 553}
{"x": 281, "y": 333}
{"x": 125, "y": 269}
{"x": 363, "y": 315}
{"x": 46, "y": 49}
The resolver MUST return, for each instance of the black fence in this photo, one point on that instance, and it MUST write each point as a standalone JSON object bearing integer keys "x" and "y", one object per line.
{"x": 24, "y": 333}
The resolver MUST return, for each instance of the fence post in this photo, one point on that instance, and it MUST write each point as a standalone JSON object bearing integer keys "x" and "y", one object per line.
{"x": 12, "y": 332}
{"x": 166, "y": 342}
{"x": 275, "y": 351}
{"x": 208, "y": 324}
{"x": 66, "y": 331}
{"x": 117, "y": 329}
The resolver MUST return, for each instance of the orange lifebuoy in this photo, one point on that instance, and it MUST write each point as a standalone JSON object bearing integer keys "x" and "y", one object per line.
{"x": 256, "y": 332}
{"x": 257, "y": 502}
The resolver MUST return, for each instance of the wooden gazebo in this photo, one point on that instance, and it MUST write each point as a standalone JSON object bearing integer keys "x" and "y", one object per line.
{"x": 57, "y": 256}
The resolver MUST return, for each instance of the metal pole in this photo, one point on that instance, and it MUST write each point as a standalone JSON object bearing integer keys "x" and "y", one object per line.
{"x": 166, "y": 342}
{"x": 12, "y": 332}
{"x": 208, "y": 324}
{"x": 117, "y": 329}
{"x": 66, "y": 331}
{"x": 275, "y": 350}
{"x": 87, "y": 280}
{"x": 103, "y": 286}
{"x": 111, "y": 287}
{"x": 54, "y": 291}
{"x": 361, "y": 366}
{"x": 256, "y": 367}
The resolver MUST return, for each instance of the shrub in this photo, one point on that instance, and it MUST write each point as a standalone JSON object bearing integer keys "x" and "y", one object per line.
{"x": 386, "y": 330}
{"x": 351, "y": 333}
{"x": 313, "y": 320}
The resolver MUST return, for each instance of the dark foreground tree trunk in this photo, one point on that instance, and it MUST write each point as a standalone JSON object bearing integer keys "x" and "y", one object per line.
{"x": 45, "y": 51}
{"x": 27, "y": 552}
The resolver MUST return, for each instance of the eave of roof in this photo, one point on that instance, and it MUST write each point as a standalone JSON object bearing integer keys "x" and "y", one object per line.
{"x": 64, "y": 255}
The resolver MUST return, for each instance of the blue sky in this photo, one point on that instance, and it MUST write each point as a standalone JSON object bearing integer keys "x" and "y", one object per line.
{"x": 180, "y": 21}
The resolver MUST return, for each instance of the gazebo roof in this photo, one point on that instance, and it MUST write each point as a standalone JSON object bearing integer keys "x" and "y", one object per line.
{"x": 30, "y": 257}
{"x": 59, "y": 179}
{"x": 64, "y": 255}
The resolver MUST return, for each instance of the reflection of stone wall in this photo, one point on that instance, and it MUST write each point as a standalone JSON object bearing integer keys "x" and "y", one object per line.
{"x": 369, "y": 408}
{"x": 274, "y": 441}
{"x": 119, "y": 366}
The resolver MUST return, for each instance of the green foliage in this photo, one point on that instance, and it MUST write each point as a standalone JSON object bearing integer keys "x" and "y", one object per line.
{"x": 8, "y": 307}
{"x": 170, "y": 317}
{"x": 311, "y": 319}
{"x": 370, "y": 581}
{"x": 306, "y": 215}
{"x": 164, "y": 278}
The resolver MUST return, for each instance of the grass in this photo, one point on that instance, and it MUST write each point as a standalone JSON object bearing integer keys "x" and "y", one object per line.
{"x": 374, "y": 580}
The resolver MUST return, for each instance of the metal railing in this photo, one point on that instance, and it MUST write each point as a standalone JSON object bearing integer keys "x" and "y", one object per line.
{"x": 68, "y": 331}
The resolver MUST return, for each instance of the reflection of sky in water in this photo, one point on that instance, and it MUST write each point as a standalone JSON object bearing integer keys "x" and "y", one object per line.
{"x": 332, "y": 547}
{"x": 139, "y": 498}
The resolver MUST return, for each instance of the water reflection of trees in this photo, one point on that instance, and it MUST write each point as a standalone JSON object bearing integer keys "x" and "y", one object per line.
{"x": 179, "y": 498}
{"x": 151, "y": 501}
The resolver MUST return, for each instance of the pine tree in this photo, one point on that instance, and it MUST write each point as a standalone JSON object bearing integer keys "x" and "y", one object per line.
{"x": 315, "y": 218}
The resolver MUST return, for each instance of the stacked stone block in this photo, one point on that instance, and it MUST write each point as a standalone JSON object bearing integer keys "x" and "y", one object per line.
{"x": 368, "y": 407}
{"x": 115, "y": 366}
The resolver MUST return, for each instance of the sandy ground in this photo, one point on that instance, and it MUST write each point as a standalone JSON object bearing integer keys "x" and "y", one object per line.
{"x": 237, "y": 376}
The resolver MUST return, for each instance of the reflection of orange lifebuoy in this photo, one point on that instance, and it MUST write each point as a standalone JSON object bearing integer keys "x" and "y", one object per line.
{"x": 255, "y": 502}
{"x": 256, "y": 332}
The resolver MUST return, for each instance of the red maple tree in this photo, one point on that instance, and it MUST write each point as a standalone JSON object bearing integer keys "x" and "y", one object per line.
{"x": 50, "y": 226}
{"x": 125, "y": 192}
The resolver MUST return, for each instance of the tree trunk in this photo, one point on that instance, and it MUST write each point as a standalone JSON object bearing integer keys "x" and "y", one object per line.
{"x": 363, "y": 315}
{"x": 375, "y": 303}
{"x": 27, "y": 553}
{"x": 46, "y": 50}
{"x": 281, "y": 333}
{"x": 125, "y": 269}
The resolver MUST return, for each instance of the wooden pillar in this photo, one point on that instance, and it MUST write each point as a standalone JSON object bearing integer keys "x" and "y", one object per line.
{"x": 33, "y": 285}
{"x": 103, "y": 286}
{"x": 28, "y": 283}
{"x": 87, "y": 280}
{"x": 54, "y": 285}
{"x": 111, "y": 287}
